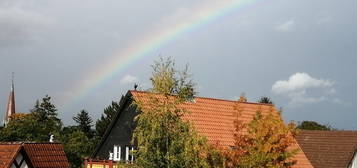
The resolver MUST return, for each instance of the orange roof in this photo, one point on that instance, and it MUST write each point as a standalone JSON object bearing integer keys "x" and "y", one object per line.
{"x": 8, "y": 152}
{"x": 214, "y": 118}
{"x": 41, "y": 155}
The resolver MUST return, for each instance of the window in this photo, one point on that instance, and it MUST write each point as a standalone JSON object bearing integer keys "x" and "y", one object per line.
{"x": 122, "y": 153}
{"x": 117, "y": 153}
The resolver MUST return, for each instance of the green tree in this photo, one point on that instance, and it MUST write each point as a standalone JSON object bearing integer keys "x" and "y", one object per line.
{"x": 46, "y": 113}
{"x": 169, "y": 81}
{"x": 265, "y": 100}
{"x": 22, "y": 128}
{"x": 77, "y": 146}
{"x": 163, "y": 138}
{"x": 313, "y": 125}
{"x": 106, "y": 118}
{"x": 84, "y": 122}
{"x": 265, "y": 144}
{"x": 37, "y": 126}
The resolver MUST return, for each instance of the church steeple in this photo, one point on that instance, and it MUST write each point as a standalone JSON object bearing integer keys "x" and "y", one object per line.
{"x": 11, "y": 103}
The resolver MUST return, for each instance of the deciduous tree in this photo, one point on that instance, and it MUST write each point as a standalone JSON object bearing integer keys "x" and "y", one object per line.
{"x": 264, "y": 142}
{"x": 163, "y": 138}
{"x": 313, "y": 125}
{"x": 37, "y": 126}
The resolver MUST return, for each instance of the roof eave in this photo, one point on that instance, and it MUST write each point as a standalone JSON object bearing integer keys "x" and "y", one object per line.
{"x": 122, "y": 104}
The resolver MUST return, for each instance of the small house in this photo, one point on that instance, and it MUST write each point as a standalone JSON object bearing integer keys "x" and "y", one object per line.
{"x": 213, "y": 118}
{"x": 32, "y": 155}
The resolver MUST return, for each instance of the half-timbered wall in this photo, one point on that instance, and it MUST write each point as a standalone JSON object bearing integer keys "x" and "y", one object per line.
{"x": 19, "y": 162}
{"x": 354, "y": 162}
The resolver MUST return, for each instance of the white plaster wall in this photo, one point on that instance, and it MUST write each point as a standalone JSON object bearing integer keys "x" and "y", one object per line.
{"x": 354, "y": 162}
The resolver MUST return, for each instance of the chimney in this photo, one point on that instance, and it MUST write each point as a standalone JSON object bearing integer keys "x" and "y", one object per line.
{"x": 52, "y": 138}
{"x": 11, "y": 103}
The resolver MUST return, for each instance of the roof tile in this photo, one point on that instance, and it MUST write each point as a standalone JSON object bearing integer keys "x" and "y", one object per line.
{"x": 7, "y": 154}
{"x": 333, "y": 149}
{"x": 214, "y": 118}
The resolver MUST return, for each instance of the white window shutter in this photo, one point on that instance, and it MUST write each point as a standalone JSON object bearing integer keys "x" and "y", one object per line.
{"x": 132, "y": 155}
{"x": 119, "y": 153}
{"x": 110, "y": 156}
{"x": 115, "y": 151}
{"x": 126, "y": 153}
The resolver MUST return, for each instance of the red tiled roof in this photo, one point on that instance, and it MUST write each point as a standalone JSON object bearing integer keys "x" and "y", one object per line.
{"x": 332, "y": 149}
{"x": 46, "y": 155}
{"x": 8, "y": 152}
{"x": 214, "y": 118}
{"x": 41, "y": 155}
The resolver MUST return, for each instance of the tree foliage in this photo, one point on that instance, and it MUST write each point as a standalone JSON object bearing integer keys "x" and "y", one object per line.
{"x": 84, "y": 122}
{"x": 106, "y": 118}
{"x": 169, "y": 81}
{"x": 264, "y": 142}
{"x": 77, "y": 145}
{"x": 37, "y": 126}
{"x": 265, "y": 100}
{"x": 78, "y": 140}
{"x": 313, "y": 125}
{"x": 162, "y": 137}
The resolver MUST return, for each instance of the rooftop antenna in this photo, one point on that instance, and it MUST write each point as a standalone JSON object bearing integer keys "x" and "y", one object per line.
{"x": 12, "y": 81}
{"x": 136, "y": 86}
{"x": 52, "y": 138}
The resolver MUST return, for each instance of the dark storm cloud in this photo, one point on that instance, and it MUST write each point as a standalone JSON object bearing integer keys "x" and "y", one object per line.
{"x": 20, "y": 26}
{"x": 248, "y": 51}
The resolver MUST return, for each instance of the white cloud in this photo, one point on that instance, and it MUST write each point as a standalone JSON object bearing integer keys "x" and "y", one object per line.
{"x": 301, "y": 88}
{"x": 299, "y": 81}
{"x": 286, "y": 26}
{"x": 129, "y": 79}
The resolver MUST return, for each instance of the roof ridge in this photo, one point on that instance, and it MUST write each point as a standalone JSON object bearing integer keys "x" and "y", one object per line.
{"x": 354, "y": 131}
{"x": 210, "y": 98}
{"x": 23, "y": 143}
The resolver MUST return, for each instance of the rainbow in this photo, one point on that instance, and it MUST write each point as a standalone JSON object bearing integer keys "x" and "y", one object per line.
{"x": 203, "y": 15}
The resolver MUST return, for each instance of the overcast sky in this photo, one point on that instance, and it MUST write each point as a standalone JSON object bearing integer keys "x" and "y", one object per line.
{"x": 301, "y": 53}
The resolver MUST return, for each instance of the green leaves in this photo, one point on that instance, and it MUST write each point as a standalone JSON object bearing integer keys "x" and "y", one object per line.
{"x": 106, "y": 118}
{"x": 84, "y": 122}
{"x": 312, "y": 125}
{"x": 169, "y": 81}
{"x": 77, "y": 146}
{"x": 164, "y": 140}
{"x": 35, "y": 126}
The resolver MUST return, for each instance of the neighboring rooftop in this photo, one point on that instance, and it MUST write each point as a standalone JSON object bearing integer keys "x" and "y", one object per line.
{"x": 41, "y": 155}
{"x": 332, "y": 149}
{"x": 8, "y": 152}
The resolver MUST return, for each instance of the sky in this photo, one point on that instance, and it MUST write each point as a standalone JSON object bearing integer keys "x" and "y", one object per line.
{"x": 301, "y": 53}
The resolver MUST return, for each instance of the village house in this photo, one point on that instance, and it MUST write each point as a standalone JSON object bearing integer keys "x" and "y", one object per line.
{"x": 213, "y": 118}
{"x": 32, "y": 155}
